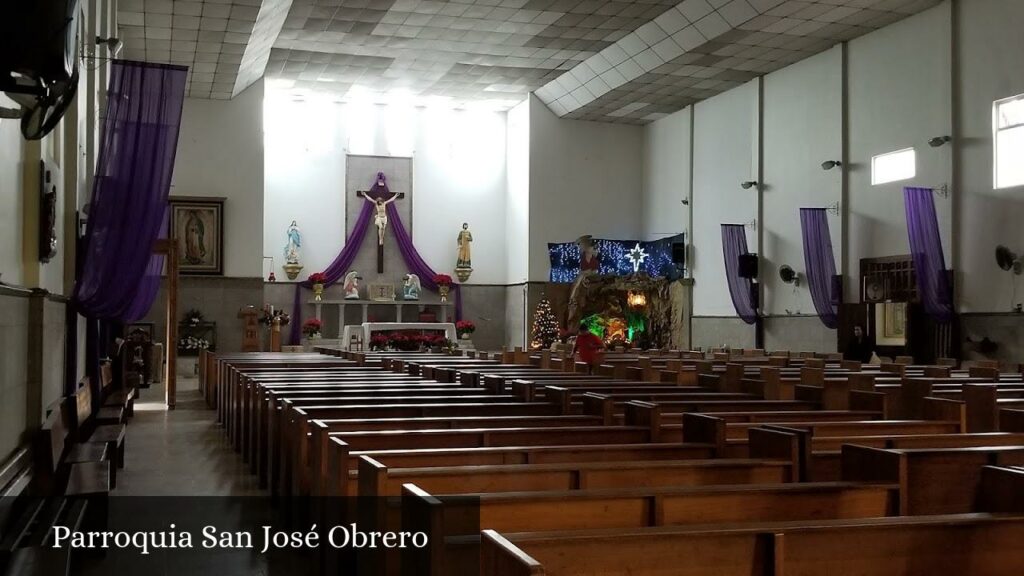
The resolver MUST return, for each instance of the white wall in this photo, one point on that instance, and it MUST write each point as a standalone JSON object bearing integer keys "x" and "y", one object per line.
{"x": 11, "y": 148}
{"x": 802, "y": 129}
{"x": 517, "y": 205}
{"x": 724, "y": 156}
{"x": 667, "y": 176}
{"x": 899, "y": 97}
{"x": 990, "y": 69}
{"x": 458, "y": 173}
{"x": 220, "y": 154}
{"x": 585, "y": 178}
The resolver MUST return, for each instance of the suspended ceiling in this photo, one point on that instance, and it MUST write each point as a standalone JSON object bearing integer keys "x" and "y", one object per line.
{"x": 602, "y": 60}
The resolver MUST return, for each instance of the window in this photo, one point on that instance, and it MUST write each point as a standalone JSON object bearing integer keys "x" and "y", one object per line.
{"x": 1008, "y": 128}
{"x": 893, "y": 167}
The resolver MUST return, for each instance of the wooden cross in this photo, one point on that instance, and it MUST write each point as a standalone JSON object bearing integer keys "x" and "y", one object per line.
{"x": 380, "y": 246}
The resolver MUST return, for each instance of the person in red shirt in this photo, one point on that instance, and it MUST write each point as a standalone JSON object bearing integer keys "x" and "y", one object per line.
{"x": 589, "y": 348}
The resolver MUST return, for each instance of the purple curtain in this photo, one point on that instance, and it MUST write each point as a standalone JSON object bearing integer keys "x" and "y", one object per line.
{"x": 120, "y": 274}
{"x": 415, "y": 262}
{"x": 820, "y": 263}
{"x": 344, "y": 260}
{"x": 734, "y": 243}
{"x": 926, "y": 249}
{"x": 337, "y": 269}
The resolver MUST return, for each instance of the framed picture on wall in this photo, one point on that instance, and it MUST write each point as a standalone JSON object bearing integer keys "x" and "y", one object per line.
{"x": 197, "y": 225}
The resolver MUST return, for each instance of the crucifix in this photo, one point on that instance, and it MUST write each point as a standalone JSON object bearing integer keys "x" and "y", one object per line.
{"x": 381, "y": 197}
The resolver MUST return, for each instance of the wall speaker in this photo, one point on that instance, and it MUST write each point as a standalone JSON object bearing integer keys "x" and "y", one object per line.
{"x": 748, "y": 266}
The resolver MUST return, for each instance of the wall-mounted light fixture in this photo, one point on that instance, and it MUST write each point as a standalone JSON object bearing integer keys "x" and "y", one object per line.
{"x": 113, "y": 44}
{"x": 833, "y": 208}
{"x": 748, "y": 184}
{"x": 830, "y": 164}
{"x": 939, "y": 141}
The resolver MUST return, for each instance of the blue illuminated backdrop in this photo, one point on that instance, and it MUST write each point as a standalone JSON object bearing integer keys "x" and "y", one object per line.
{"x": 613, "y": 258}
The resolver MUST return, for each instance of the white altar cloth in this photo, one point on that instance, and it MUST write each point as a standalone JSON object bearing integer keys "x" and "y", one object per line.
{"x": 366, "y": 329}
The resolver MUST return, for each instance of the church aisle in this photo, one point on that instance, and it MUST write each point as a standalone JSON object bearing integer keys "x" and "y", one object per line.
{"x": 181, "y": 452}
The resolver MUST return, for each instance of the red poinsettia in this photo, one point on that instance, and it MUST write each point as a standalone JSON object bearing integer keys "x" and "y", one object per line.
{"x": 318, "y": 278}
{"x": 442, "y": 280}
{"x": 312, "y": 326}
{"x": 465, "y": 327}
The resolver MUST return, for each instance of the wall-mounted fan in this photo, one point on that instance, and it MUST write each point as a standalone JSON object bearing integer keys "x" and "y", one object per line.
{"x": 788, "y": 275}
{"x": 1008, "y": 260}
{"x": 38, "y": 62}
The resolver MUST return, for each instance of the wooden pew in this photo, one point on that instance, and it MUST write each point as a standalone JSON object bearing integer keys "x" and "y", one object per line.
{"x": 433, "y": 514}
{"x": 932, "y": 481}
{"x": 976, "y": 544}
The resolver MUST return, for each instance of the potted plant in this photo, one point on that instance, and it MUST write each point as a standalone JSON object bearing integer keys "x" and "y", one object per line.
{"x": 444, "y": 284}
{"x": 311, "y": 328}
{"x": 464, "y": 328}
{"x": 318, "y": 279}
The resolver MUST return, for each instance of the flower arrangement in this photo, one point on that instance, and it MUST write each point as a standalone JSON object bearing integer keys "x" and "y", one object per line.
{"x": 318, "y": 278}
{"x": 193, "y": 343}
{"x": 464, "y": 327}
{"x": 193, "y": 317}
{"x": 311, "y": 328}
{"x": 442, "y": 280}
{"x": 408, "y": 341}
{"x": 268, "y": 318}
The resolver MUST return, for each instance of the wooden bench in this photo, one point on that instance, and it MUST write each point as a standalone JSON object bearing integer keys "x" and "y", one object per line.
{"x": 27, "y": 521}
{"x": 976, "y": 544}
{"x": 442, "y": 517}
{"x": 78, "y": 411}
{"x": 932, "y": 481}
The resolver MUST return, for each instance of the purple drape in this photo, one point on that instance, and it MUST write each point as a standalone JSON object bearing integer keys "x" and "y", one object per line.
{"x": 344, "y": 260}
{"x": 734, "y": 243}
{"x": 415, "y": 262}
{"x": 926, "y": 249}
{"x": 119, "y": 273}
{"x": 820, "y": 263}
{"x": 337, "y": 269}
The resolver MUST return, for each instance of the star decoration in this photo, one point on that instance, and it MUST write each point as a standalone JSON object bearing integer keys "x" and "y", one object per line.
{"x": 637, "y": 256}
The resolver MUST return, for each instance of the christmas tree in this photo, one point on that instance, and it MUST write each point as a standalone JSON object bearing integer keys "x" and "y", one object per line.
{"x": 545, "y": 326}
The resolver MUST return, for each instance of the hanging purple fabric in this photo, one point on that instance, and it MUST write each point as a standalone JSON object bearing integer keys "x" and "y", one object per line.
{"x": 819, "y": 263}
{"x": 336, "y": 270}
{"x": 734, "y": 243}
{"x": 926, "y": 249}
{"x": 133, "y": 178}
{"x": 415, "y": 262}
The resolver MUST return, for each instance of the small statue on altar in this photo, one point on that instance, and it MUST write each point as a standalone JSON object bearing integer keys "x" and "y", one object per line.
{"x": 464, "y": 260}
{"x": 351, "y": 285}
{"x": 411, "y": 287}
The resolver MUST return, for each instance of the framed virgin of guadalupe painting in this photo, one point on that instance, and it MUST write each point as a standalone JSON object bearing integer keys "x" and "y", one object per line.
{"x": 197, "y": 225}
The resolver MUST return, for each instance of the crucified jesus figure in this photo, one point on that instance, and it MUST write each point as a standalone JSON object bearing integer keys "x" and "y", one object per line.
{"x": 380, "y": 219}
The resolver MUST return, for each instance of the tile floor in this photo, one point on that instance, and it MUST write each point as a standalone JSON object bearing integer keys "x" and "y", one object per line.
{"x": 181, "y": 452}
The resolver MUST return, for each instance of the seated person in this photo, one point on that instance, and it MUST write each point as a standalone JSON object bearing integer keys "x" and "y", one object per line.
{"x": 860, "y": 347}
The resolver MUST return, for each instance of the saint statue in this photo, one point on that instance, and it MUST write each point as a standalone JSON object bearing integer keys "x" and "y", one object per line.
{"x": 351, "y": 285}
{"x": 195, "y": 242}
{"x": 291, "y": 250}
{"x": 380, "y": 219}
{"x": 411, "y": 287}
{"x": 465, "y": 239}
